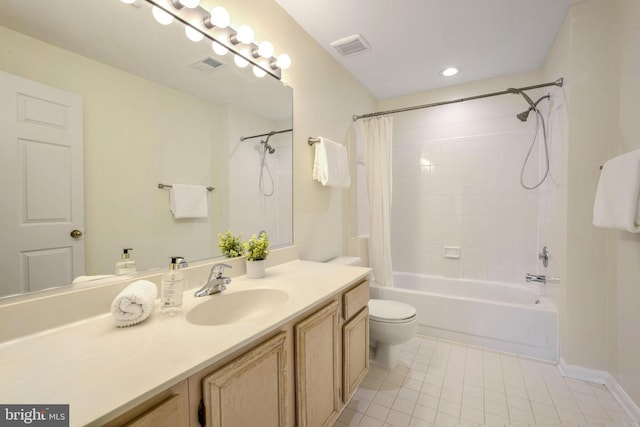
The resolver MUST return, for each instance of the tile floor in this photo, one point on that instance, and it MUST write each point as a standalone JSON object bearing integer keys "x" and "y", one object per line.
{"x": 444, "y": 383}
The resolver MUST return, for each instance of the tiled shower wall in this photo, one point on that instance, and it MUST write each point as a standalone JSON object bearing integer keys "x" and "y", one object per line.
{"x": 456, "y": 184}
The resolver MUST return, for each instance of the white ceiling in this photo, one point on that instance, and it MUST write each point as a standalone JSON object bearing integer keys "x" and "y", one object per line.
{"x": 413, "y": 40}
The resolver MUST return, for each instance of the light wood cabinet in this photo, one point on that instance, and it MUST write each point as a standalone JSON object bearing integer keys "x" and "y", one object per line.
{"x": 355, "y": 352}
{"x": 327, "y": 349}
{"x": 166, "y": 409}
{"x": 250, "y": 391}
{"x": 317, "y": 368}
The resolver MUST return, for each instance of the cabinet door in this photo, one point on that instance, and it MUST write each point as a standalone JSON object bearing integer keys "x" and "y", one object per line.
{"x": 167, "y": 409}
{"x": 317, "y": 368}
{"x": 249, "y": 391}
{"x": 355, "y": 348}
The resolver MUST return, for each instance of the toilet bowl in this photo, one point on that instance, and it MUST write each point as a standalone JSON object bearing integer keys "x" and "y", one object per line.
{"x": 391, "y": 324}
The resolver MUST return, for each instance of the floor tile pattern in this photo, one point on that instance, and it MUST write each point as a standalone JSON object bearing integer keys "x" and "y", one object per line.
{"x": 441, "y": 383}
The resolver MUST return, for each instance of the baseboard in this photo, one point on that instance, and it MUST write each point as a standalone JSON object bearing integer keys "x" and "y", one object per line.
{"x": 605, "y": 378}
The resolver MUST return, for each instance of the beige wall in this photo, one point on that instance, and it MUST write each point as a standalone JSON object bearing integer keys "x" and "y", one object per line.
{"x": 597, "y": 51}
{"x": 325, "y": 97}
{"x": 625, "y": 319}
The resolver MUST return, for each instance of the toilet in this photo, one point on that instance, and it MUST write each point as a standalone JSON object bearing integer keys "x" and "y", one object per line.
{"x": 391, "y": 324}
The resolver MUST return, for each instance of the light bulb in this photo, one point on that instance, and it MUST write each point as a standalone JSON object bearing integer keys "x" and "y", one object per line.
{"x": 265, "y": 49}
{"x": 259, "y": 72}
{"x": 191, "y": 4}
{"x": 219, "y": 48}
{"x": 193, "y": 34}
{"x": 245, "y": 34}
{"x": 128, "y": 1}
{"x": 220, "y": 17}
{"x": 161, "y": 16}
{"x": 240, "y": 61}
{"x": 283, "y": 61}
{"x": 450, "y": 71}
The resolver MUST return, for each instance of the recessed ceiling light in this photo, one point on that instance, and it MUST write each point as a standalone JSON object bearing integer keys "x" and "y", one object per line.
{"x": 449, "y": 71}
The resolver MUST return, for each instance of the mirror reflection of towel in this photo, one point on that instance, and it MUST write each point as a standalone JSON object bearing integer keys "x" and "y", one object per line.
{"x": 331, "y": 164}
{"x": 188, "y": 201}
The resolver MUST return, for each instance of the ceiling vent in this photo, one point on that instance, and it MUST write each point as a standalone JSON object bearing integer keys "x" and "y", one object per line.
{"x": 207, "y": 64}
{"x": 351, "y": 45}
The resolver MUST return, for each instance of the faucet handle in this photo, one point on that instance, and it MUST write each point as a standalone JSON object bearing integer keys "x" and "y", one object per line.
{"x": 218, "y": 270}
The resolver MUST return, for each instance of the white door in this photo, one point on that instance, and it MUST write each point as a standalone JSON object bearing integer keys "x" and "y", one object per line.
{"x": 41, "y": 186}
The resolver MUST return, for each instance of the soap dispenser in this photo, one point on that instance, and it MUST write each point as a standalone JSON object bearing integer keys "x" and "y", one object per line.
{"x": 173, "y": 286}
{"x": 126, "y": 265}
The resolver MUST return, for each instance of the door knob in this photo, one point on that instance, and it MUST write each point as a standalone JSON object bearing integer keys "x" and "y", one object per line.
{"x": 76, "y": 234}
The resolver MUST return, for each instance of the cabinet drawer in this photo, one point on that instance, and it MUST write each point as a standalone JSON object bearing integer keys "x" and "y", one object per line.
{"x": 355, "y": 299}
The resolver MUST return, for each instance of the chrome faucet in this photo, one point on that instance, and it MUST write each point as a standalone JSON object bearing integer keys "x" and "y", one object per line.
{"x": 216, "y": 282}
{"x": 540, "y": 278}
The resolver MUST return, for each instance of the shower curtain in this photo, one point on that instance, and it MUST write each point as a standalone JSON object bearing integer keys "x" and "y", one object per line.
{"x": 375, "y": 137}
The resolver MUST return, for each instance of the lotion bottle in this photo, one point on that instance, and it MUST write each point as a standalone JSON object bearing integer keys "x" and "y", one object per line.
{"x": 126, "y": 265}
{"x": 173, "y": 286}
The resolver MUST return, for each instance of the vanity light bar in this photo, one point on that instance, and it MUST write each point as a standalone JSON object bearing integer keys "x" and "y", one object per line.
{"x": 199, "y": 19}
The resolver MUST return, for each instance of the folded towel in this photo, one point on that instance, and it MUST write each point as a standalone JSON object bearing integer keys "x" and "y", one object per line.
{"x": 331, "y": 164}
{"x": 135, "y": 303}
{"x": 618, "y": 194}
{"x": 188, "y": 201}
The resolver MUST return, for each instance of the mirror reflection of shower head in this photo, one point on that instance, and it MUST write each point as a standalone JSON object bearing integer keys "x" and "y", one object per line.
{"x": 268, "y": 148}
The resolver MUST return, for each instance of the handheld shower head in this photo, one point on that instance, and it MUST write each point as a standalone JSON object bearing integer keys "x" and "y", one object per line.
{"x": 268, "y": 148}
{"x": 524, "y": 115}
{"x": 533, "y": 106}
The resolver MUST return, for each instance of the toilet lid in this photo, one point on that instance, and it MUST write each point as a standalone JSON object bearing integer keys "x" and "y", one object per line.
{"x": 390, "y": 311}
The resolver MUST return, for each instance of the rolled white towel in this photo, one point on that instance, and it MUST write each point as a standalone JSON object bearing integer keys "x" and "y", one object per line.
{"x": 135, "y": 303}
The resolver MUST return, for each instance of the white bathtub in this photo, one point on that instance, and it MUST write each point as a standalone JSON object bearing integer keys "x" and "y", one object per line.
{"x": 511, "y": 318}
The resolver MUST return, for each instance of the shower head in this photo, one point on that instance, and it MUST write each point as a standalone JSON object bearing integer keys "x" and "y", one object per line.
{"x": 533, "y": 106}
{"x": 267, "y": 147}
{"x": 524, "y": 115}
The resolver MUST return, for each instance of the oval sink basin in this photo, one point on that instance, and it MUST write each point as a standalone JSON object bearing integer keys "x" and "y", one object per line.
{"x": 223, "y": 309}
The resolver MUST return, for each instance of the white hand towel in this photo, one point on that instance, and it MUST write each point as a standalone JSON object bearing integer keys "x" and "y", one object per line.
{"x": 135, "y": 303}
{"x": 618, "y": 194}
{"x": 188, "y": 201}
{"x": 331, "y": 164}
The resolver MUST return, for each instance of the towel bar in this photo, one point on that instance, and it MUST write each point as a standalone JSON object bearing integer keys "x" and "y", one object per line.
{"x": 169, "y": 186}
{"x": 311, "y": 140}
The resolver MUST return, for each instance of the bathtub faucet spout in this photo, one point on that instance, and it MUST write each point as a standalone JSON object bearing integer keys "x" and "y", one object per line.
{"x": 540, "y": 278}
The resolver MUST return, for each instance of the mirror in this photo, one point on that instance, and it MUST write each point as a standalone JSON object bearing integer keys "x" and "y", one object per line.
{"x": 156, "y": 108}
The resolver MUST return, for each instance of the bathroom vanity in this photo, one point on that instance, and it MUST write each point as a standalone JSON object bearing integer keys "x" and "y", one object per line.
{"x": 285, "y": 361}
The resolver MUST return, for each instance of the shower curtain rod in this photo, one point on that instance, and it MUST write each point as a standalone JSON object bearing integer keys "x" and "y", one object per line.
{"x": 273, "y": 132}
{"x": 558, "y": 82}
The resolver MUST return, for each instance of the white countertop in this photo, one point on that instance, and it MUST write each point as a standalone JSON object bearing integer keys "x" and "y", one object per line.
{"x": 101, "y": 370}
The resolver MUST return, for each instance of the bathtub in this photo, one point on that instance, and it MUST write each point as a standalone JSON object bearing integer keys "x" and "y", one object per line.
{"x": 504, "y": 317}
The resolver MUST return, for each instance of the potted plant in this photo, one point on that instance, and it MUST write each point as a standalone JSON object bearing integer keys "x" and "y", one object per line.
{"x": 257, "y": 249}
{"x": 230, "y": 245}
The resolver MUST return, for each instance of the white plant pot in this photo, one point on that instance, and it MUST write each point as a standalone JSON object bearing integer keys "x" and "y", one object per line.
{"x": 256, "y": 269}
